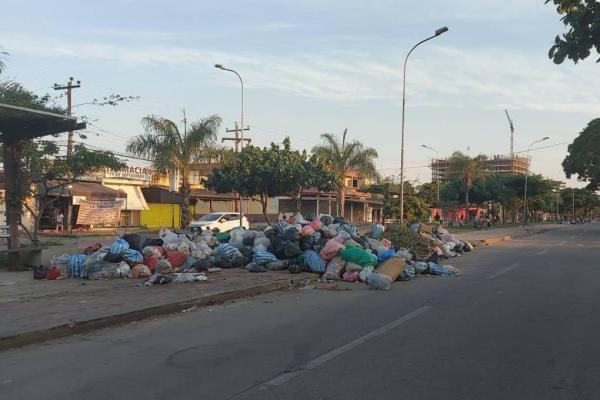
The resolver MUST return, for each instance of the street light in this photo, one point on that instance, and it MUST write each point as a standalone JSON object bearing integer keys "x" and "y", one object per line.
{"x": 526, "y": 175}
{"x": 219, "y": 66}
{"x": 436, "y": 34}
{"x": 437, "y": 175}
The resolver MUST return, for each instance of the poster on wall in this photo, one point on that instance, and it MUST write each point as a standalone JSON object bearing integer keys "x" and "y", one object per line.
{"x": 99, "y": 212}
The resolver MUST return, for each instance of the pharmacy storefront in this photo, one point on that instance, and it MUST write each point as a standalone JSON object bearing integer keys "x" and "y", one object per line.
{"x": 130, "y": 180}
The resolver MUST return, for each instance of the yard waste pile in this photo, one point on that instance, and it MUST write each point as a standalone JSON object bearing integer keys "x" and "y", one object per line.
{"x": 333, "y": 249}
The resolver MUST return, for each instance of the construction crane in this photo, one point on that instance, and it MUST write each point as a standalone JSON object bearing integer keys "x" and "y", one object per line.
{"x": 512, "y": 134}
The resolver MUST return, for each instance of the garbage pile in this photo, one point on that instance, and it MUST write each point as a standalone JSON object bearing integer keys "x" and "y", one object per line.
{"x": 332, "y": 248}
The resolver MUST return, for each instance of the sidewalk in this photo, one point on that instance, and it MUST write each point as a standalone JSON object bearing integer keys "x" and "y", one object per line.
{"x": 36, "y": 311}
{"x": 495, "y": 235}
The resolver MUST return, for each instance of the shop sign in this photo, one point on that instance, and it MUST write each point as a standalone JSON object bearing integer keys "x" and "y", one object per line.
{"x": 128, "y": 172}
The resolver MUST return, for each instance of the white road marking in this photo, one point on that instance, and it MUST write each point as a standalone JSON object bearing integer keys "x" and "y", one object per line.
{"x": 503, "y": 271}
{"x": 542, "y": 252}
{"x": 322, "y": 359}
{"x": 563, "y": 242}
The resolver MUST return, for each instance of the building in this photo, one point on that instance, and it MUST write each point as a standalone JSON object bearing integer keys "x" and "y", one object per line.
{"x": 497, "y": 165}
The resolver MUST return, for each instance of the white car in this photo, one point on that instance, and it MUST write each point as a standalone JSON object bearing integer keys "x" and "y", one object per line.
{"x": 219, "y": 221}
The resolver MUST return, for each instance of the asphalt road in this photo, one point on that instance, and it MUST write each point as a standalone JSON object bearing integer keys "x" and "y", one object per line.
{"x": 520, "y": 323}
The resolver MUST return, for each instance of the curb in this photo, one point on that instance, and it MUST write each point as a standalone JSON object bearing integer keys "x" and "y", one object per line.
{"x": 76, "y": 327}
{"x": 499, "y": 239}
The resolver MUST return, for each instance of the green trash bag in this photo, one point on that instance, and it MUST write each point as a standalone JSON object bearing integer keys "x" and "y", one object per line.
{"x": 358, "y": 256}
{"x": 223, "y": 237}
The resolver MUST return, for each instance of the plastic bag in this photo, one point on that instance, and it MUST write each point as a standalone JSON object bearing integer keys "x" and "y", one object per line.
{"x": 135, "y": 241}
{"x": 227, "y": 250}
{"x": 133, "y": 257}
{"x": 314, "y": 261}
{"x": 76, "y": 266}
{"x": 123, "y": 269}
{"x": 377, "y": 230}
{"x": 332, "y": 249}
{"x": 350, "y": 276}
{"x": 140, "y": 271}
{"x": 163, "y": 267}
{"x": 92, "y": 248}
{"x": 189, "y": 263}
{"x": 262, "y": 241}
{"x": 158, "y": 279}
{"x": 176, "y": 258}
{"x": 315, "y": 224}
{"x": 384, "y": 255}
{"x": 151, "y": 252}
{"x": 307, "y": 230}
{"x": 364, "y": 273}
{"x": 350, "y": 266}
{"x": 334, "y": 268}
{"x": 102, "y": 270}
{"x": 379, "y": 282}
{"x": 263, "y": 257}
{"x": 119, "y": 247}
{"x": 358, "y": 256}
{"x": 276, "y": 265}
{"x": 420, "y": 267}
{"x": 151, "y": 263}
{"x": 442, "y": 270}
{"x": 190, "y": 277}
{"x": 167, "y": 236}
{"x": 62, "y": 262}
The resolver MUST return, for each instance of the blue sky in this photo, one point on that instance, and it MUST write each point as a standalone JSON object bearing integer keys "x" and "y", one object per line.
{"x": 316, "y": 66}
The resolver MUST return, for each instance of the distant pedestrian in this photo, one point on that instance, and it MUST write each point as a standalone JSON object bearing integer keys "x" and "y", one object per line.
{"x": 59, "y": 221}
{"x": 437, "y": 218}
{"x": 284, "y": 218}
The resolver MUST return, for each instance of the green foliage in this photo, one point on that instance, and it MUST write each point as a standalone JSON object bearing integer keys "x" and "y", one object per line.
{"x": 416, "y": 208}
{"x": 269, "y": 172}
{"x": 341, "y": 158}
{"x": 582, "y": 19}
{"x": 15, "y": 94}
{"x": 400, "y": 236}
{"x": 174, "y": 150}
{"x": 583, "y": 158}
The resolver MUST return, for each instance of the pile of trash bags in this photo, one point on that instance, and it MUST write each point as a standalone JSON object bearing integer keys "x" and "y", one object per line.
{"x": 331, "y": 248}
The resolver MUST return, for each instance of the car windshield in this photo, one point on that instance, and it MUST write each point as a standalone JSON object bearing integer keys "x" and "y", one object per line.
{"x": 210, "y": 217}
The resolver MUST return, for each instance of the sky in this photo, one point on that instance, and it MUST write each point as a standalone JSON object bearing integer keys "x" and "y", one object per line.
{"x": 315, "y": 66}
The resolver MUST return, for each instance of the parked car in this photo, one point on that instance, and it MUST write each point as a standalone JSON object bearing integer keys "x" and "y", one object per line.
{"x": 219, "y": 221}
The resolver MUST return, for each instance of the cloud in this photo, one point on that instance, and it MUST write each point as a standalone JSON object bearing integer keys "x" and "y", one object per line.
{"x": 438, "y": 76}
{"x": 270, "y": 27}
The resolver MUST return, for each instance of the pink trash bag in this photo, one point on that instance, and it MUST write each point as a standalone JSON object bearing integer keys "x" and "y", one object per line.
{"x": 331, "y": 249}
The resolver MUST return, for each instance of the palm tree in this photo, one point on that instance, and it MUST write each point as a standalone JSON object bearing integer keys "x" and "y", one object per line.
{"x": 344, "y": 157}
{"x": 174, "y": 151}
{"x": 2, "y": 55}
{"x": 466, "y": 169}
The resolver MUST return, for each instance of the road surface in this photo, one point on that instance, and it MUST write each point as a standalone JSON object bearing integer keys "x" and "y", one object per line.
{"x": 520, "y": 323}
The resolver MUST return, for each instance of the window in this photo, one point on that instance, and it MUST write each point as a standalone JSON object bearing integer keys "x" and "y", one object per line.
{"x": 354, "y": 183}
{"x": 234, "y": 217}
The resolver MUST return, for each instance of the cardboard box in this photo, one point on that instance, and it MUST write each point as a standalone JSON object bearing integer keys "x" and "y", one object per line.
{"x": 426, "y": 229}
{"x": 392, "y": 267}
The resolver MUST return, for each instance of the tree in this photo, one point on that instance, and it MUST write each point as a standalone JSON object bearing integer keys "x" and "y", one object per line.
{"x": 583, "y": 156}
{"x": 463, "y": 170}
{"x": 175, "y": 151}
{"x": 269, "y": 172}
{"x": 41, "y": 169}
{"x": 44, "y": 175}
{"x": 582, "y": 17}
{"x": 2, "y": 64}
{"x": 341, "y": 158}
{"x": 416, "y": 208}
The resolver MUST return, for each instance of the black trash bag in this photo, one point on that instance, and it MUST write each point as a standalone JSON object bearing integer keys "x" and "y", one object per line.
{"x": 270, "y": 233}
{"x": 434, "y": 257}
{"x": 135, "y": 240}
{"x": 276, "y": 242}
{"x": 153, "y": 242}
{"x": 248, "y": 241}
{"x": 326, "y": 219}
{"x": 295, "y": 268}
{"x": 339, "y": 220}
{"x": 225, "y": 263}
{"x": 158, "y": 279}
{"x": 305, "y": 245}
{"x": 310, "y": 216}
{"x": 466, "y": 248}
{"x": 113, "y": 258}
{"x": 202, "y": 265}
{"x": 239, "y": 261}
{"x": 291, "y": 234}
{"x": 246, "y": 251}
{"x": 458, "y": 248}
{"x": 361, "y": 241}
{"x": 257, "y": 268}
{"x": 291, "y": 249}
{"x": 39, "y": 272}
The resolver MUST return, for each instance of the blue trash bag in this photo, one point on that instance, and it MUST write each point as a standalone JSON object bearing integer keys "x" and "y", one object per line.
{"x": 227, "y": 250}
{"x": 263, "y": 258}
{"x": 189, "y": 263}
{"x": 415, "y": 227}
{"x": 119, "y": 247}
{"x": 76, "y": 266}
{"x": 442, "y": 270}
{"x": 384, "y": 255}
{"x": 314, "y": 261}
{"x": 352, "y": 230}
{"x": 377, "y": 230}
{"x": 133, "y": 257}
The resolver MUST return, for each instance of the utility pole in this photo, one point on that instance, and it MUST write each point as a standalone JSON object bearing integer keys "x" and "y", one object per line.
{"x": 237, "y": 139}
{"x": 69, "y": 87}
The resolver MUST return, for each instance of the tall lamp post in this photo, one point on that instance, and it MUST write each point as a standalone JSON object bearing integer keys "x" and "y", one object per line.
{"x": 526, "y": 175}
{"x": 437, "y": 175}
{"x": 436, "y": 34}
{"x": 219, "y": 66}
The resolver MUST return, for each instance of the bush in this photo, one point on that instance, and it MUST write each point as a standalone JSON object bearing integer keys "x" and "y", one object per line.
{"x": 401, "y": 236}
